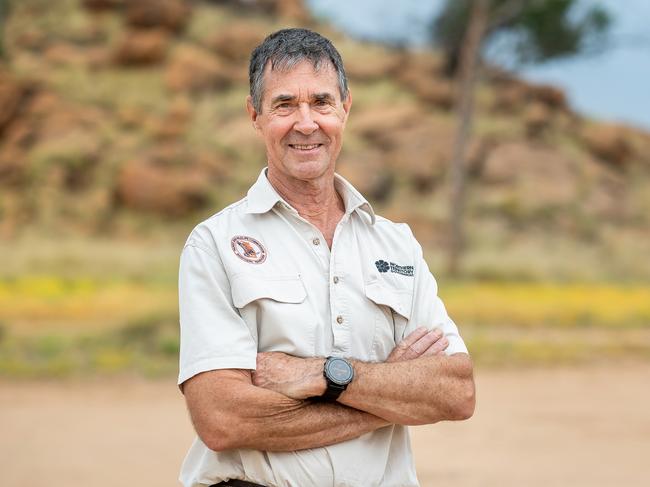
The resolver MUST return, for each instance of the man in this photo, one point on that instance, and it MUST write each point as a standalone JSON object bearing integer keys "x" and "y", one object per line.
{"x": 298, "y": 271}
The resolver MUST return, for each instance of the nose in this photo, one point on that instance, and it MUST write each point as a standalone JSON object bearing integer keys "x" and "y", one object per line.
{"x": 305, "y": 123}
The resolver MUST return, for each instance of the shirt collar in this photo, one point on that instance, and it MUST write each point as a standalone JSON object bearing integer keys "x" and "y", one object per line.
{"x": 262, "y": 197}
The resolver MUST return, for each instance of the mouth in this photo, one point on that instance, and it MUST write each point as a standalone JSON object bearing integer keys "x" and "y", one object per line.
{"x": 305, "y": 147}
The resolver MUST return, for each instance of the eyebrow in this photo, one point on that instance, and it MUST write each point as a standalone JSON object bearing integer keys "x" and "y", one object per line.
{"x": 317, "y": 97}
{"x": 282, "y": 98}
{"x": 323, "y": 97}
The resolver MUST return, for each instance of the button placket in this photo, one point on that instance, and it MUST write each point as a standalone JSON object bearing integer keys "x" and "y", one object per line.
{"x": 338, "y": 294}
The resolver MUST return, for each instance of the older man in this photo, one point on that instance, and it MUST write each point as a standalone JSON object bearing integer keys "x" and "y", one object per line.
{"x": 311, "y": 330}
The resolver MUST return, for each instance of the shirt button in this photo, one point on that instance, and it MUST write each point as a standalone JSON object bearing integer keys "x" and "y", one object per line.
{"x": 316, "y": 241}
{"x": 339, "y": 319}
{"x": 336, "y": 279}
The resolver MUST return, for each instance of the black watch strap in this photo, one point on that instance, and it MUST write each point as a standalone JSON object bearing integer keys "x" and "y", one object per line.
{"x": 333, "y": 391}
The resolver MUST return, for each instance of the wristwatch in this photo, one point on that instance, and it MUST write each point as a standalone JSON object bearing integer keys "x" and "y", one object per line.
{"x": 338, "y": 373}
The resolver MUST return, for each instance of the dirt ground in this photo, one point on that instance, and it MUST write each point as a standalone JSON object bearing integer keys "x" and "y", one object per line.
{"x": 560, "y": 427}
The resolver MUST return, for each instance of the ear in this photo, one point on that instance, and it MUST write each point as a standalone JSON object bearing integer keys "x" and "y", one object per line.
{"x": 347, "y": 104}
{"x": 252, "y": 113}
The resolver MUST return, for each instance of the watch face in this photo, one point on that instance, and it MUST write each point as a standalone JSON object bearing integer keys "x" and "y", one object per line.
{"x": 339, "y": 371}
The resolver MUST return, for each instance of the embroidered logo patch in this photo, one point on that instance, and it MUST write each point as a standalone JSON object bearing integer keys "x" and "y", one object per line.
{"x": 248, "y": 249}
{"x": 404, "y": 270}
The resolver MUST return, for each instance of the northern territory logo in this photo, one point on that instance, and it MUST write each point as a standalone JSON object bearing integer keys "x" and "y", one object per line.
{"x": 248, "y": 249}
{"x": 404, "y": 270}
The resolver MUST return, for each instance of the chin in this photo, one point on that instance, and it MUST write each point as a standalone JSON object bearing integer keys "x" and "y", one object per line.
{"x": 308, "y": 169}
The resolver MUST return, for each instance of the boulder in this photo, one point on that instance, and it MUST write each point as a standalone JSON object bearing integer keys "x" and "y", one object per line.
{"x": 538, "y": 118}
{"x": 32, "y": 39}
{"x": 434, "y": 91}
{"x": 291, "y": 9}
{"x": 368, "y": 171}
{"x": 369, "y": 62}
{"x": 175, "y": 122}
{"x": 141, "y": 47}
{"x": 551, "y": 96}
{"x": 512, "y": 95}
{"x": 195, "y": 69}
{"x": 509, "y": 97}
{"x": 377, "y": 124}
{"x": 11, "y": 98}
{"x": 235, "y": 42}
{"x": 170, "y": 191}
{"x": 63, "y": 53}
{"x": 421, "y": 154}
{"x": 15, "y": 97}
{"x": 540, "y": 176}
{"x": 608, "y": 142}
{"x": 102, "y": 5}
{"x": 171, "y": 15}
{"x": 13, "y": 166}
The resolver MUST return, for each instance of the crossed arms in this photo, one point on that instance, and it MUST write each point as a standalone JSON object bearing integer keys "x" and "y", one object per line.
{"x": 268, "y": 409}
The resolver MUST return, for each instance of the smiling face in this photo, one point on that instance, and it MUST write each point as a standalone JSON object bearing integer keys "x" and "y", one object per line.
{"x": 301, "y": 120}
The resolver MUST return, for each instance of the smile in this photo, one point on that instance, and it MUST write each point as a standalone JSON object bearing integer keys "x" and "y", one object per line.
{"x": 304, "y": 146}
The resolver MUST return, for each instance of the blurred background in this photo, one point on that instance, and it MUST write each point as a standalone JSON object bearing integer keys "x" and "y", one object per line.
{"x": 512, "y": 135}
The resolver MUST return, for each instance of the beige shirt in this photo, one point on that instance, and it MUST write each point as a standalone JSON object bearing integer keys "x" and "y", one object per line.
{"x": 258, "y": 277}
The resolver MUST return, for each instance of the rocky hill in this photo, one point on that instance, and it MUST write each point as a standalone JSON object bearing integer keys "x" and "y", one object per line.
{"x": 120, "y": 116}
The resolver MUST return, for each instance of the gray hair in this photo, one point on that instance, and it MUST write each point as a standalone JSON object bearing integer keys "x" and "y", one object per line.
{"x": 287, "y": 48}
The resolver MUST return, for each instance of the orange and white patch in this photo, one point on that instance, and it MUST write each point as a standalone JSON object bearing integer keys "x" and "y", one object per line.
{"x": 248, "y": 249}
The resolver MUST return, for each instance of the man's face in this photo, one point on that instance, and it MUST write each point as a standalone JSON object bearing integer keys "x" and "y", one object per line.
{"x": 302, "y": 120}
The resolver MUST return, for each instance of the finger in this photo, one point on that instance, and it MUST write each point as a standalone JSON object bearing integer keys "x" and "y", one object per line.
{"x": 425, "y": 343}
{"x": 437, "y": 348}
{"x": 413, "y": 337}
{"x": 404, "y": 349}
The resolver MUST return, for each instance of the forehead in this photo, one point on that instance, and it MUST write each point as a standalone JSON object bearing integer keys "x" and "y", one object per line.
{"x": 302, "y": 79}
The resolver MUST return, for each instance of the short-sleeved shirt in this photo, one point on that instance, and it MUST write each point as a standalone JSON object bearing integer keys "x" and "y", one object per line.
{"x": 257, "y": 277}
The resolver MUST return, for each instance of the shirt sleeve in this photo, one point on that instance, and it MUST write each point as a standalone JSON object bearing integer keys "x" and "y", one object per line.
{"x": 428, "y": 309}
{"x": 213, "y": 334}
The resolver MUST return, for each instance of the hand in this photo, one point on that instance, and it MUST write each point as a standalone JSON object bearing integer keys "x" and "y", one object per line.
{"x": 295, "y": 377}
{"x": 419, "y": 343}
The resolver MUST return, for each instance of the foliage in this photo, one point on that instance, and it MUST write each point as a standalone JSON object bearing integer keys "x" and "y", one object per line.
{"x": 147, "y": 346}
{"x": 85, "y": 327}
{"x": 532, "y": 31}
{"x": 4, "y": 11}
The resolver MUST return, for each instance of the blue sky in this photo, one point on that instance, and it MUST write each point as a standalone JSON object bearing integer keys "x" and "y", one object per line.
{"x": 614, "y": 85}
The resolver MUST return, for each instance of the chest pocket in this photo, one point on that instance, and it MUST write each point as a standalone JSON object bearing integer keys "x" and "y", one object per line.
{"x": 393, "y": 311}
{"x": 276, "y": 311}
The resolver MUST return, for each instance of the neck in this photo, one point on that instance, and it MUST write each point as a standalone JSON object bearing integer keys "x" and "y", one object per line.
{"x": 316, "y": 200}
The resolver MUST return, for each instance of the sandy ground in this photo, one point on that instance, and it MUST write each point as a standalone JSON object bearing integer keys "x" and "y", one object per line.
{"x": 561, "y": 427}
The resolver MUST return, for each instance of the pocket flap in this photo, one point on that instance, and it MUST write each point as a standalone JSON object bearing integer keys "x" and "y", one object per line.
{"x": 285, "y": 289}
{"x": 398, "y": 300}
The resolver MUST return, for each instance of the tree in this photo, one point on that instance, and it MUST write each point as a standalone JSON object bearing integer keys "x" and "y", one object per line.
{"x": 465, "y": 107}
{"x": 536, "y": 31}
{"x": 4, "y": 12}
{"x": 532, "y": 31}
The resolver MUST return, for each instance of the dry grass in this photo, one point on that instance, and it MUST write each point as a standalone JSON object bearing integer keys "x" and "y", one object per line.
{"x": 47, "y": 302}
{"x": 529, "y": 305}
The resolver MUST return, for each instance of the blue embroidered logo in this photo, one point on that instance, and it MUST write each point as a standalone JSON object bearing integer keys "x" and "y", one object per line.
{"x": 404, "y": 270}
{"x": 382, "y": 266}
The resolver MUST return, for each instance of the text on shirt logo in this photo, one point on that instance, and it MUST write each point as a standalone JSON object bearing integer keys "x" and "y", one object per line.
{"x": 248, "y": 249}
{"x": 404, "y": 270}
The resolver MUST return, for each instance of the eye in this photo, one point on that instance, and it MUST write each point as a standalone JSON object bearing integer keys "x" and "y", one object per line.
{"x": 322, "y": 104}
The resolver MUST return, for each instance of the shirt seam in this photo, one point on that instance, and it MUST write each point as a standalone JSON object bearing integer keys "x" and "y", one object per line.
{"x": 214, "y": 363}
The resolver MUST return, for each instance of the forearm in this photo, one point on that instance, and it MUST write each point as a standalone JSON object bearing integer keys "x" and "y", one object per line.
{"x": 420, "y": 391}
{"x": 418, "y": 383}
{"x": 247, "y": 416}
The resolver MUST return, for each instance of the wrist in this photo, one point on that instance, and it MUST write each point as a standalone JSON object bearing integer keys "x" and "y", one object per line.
{"x": 316, "y": 383}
